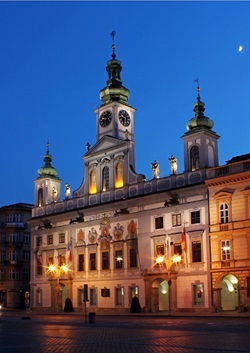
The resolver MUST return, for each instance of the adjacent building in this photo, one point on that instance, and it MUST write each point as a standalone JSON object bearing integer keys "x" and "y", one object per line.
{"x": 229, "y": 207}
{"x": 119, "y": 235}
{"x": 15, "y": 254}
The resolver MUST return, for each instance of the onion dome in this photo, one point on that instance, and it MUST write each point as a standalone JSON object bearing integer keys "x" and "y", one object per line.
{"x": 47, "y": 170}
{"x": 114, "y": 91}
{"x": 199, "y": 121}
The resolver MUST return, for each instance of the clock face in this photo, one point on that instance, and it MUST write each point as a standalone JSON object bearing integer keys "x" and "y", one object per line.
{"x": 105, "y": 118}
{"x": 124, "y": 118}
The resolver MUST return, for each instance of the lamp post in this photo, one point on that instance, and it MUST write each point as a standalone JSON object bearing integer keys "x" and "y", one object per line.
{"x": 57, "y": 271}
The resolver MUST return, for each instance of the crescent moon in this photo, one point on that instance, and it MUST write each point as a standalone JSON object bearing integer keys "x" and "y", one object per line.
{"x": 240, "y": 48}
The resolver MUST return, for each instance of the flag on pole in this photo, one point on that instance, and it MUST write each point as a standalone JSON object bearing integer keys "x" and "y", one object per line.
{"x": 69, "y": 251}
{"x": 183, "y": 239}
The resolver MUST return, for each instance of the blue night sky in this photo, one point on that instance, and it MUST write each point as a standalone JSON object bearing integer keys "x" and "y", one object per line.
{"x": 53, "y": 65}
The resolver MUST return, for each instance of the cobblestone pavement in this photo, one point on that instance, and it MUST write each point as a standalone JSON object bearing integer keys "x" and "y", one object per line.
{"x": 73, "y": 333}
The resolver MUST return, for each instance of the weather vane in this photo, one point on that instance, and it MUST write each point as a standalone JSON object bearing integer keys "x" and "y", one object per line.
{"x": 198, "y": 86}
{"x": 113, "y": 45}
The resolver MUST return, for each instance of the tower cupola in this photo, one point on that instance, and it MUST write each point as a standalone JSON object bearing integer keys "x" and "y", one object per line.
{"x": 114, "y": 91}
{"x": 199, "y": 121}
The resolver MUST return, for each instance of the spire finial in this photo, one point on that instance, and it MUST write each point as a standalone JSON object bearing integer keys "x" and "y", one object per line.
{"x": 47, "y": 145}
{"x": 113, "y": 45}
{"x": 198, "y": 88}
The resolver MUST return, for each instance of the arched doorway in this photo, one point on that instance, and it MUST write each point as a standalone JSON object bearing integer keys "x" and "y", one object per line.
{"x": 61, "y": 293}
{"x": 229, "y": 292}
{"x": 160, "y": 295}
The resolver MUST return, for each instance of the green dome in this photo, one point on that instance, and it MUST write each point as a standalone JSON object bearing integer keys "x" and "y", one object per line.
{"x": 114, "y": 91}
{"x": 47, "y": 170}
{"x": 199, "y": 120}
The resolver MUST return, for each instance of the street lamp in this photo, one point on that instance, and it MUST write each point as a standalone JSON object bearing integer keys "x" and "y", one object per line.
{"x": 56, "y": 272}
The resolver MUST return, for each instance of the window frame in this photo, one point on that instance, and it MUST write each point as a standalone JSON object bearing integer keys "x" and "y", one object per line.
{"x": 176, "y": 219}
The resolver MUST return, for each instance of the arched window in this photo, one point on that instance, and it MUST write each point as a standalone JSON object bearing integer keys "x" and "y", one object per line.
{"x": 194, "y": 158}
{"x": 224, "y": 213}
{"x": 105, "y": 179}
{"x": 92, "y": 182}
{"x": 40, "y": 197}
{"x": 119, "y": 175}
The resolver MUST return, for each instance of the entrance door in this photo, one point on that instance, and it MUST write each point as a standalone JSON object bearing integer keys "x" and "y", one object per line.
{"x": 229, "y": 293}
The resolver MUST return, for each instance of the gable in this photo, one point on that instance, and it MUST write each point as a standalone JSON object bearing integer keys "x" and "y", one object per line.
{"x": 105, "y": 144}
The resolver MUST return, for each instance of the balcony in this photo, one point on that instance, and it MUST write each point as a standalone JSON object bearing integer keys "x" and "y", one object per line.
{"x": 19, "y": 225}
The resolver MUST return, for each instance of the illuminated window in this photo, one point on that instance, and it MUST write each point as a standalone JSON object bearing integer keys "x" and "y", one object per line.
{"x": 40, "y": 197}
{"x": 224, "y": 213}
{"x": 119, "y": 175}
{"x": 198, "y": 292}
{"x": 118, "y": 259}
{"x": 119, "y": 296}
{"x": 61, "y": 238}
{"x": 105, "y": 179}
{"x": 194, "y": 158}
{"x": 177, "y": 249}
{"x": 225, "y": 250}
{"x": 176, "y": 220}
{"x": 92, "y": 296}
{"x": 92, "y": 182}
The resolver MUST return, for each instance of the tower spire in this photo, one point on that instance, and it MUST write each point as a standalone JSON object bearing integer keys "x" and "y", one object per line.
{"x": 114, "y": 91}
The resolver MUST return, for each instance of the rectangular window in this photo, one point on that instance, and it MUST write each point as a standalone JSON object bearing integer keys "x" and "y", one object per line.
{"x": 92, "y": 296}
{"x": 13, "y": 256}
{"x": 81, "y": 262}
{"x": 176, "y": 220}
{"x": 80, "y": 296}
{"x": 50, "y": 239}
{"x": 177, "y": 249}
{"x": 2, "y": 275}
{"x": 38, "y": 241}
{"x": 119, "y": 296}
{"x": 198, "y": 294}
{"x": 134, "y": 292}
{"x": 159, "y": 223}
{"x": 26, "y": 275}
{"x": 105, "y": 260}
{"x": 14, "y": 275}
{"x": 26, "y": 238}
{"x": 132, "y": 258}
{"x": 118, "y": 259}
{"x": 92, "y": 261}
{"x": 62, "y": 260}
{"x": 39, "y": 296}
{"x": 26, "y": 255}
{"x": 14, "y": 237}
{"x": 61, "y": 238}
{"x": 225, "y": 250}
{"x": 195, "y": 217}
{"x": 13, "y": 218}
{"x": 196, "y": 251}
{"x": 50, "y": 260}
{"x": 39, "y": 268}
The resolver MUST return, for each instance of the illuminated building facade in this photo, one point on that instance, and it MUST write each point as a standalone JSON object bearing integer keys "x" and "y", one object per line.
{"x": 229, "y": 200}
{"x": 113, "y": 230}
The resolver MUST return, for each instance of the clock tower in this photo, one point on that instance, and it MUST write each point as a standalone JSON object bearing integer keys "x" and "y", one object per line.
{"x": 109, "y": 166}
